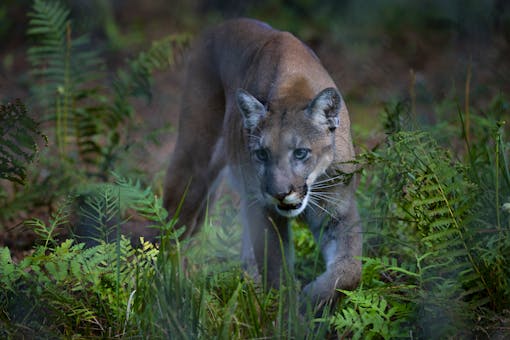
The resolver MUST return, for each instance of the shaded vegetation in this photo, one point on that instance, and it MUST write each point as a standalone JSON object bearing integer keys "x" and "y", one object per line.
{"x": 435, "y": 202}
{"x": 19, "y": 139}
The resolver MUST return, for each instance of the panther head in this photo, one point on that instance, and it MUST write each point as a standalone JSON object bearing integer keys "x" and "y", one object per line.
{"x": 290, "y": 146}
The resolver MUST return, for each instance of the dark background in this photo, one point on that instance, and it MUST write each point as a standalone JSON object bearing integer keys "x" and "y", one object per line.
{"x": 374, "y": 49}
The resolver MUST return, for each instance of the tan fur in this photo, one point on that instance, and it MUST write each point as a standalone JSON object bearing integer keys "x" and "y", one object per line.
{"x": 251, "y": 92}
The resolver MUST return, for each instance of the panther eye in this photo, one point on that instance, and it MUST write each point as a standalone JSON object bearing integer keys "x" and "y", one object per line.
{"x": 261, "y": 154}
{"x": 301, "y": 153}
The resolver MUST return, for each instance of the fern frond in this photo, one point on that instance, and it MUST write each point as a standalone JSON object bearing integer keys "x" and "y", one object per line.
{"x": 80, "y": 287}
{"x": 142, "y": 200}
{"x": 19, "y": 139}
{"x": 8, "y": 274}
{"x": 48, "y": 233}
{"x": 138, "y": 78}
{"x": 62, "y": 67}
{"x": 433, "y": 200}
{"x": 367, "y": 314}
{"x": 99, "y": 211}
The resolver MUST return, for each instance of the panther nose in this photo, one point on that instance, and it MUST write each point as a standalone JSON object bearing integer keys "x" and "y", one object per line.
{"x": 281, "y": 197}
{"x": 290, "y": 198}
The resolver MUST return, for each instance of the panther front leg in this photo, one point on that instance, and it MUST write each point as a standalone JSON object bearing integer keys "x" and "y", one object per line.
{"x": 340, "y": 241}
{"x": 267, "y": 252}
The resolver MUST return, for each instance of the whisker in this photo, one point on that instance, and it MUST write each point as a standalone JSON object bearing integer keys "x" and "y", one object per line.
{"x": 329, "y": 177}
{"x": 311, "y": 200}
{"x": 325, "y": 185}
{"x": 324, "y": 194}
{"x": 338, "y": 177}
{"x": 320, "y": 207}
{"x": 331, "y": 180}
{"x": 329, "y": 199}
{"x": 317, "y": 202}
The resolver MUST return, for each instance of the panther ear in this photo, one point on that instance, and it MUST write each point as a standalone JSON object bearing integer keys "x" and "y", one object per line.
{"x": 253, "y": 110}
{"x": 324, "y": 108}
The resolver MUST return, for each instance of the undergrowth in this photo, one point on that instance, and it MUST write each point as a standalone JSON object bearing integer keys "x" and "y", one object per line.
{"x": 434, "y": 265}
{"x": 436, "y": 223}
{"x": 437, "y": 231}
{"x": 85, "y": 109}
{"x": 90, "y": 119}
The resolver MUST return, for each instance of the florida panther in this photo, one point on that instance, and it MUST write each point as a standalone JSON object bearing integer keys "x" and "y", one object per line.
{"x": 258, "y": 102}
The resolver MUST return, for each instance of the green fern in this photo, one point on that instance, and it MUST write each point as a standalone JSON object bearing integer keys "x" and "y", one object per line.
{"x": 137, "y": 79}
{"x": 19, "y": 139}
{"x": 142, "y": 200}
{"x": 9, "y": 274}
{"x": 489, "y": 159}
{"x": 84, "y": 289}
{"x": 99, "y": 213}
{"x": 48, "y": 233}
{"x": 367, "y": 315}
{"x": 433, "y": 215}
{"x": 90, "y": 120}
{"x": 63, "y": 68}
{"x": 49, "y": 21}
{"x": 80, "y": 289}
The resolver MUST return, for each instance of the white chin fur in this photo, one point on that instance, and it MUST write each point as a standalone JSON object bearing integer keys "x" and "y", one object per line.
{"x": 293, "y": 212}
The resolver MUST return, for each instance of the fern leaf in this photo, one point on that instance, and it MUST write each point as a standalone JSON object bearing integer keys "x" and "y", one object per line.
{"x": 137, "y": 79}
{"x": 62, "y": 68}
{"x": 19, "y": 139}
